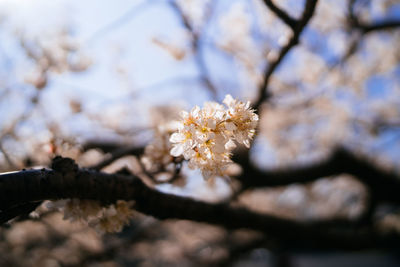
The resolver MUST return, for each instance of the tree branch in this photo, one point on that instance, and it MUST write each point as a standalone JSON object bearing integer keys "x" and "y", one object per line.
{"x": 66, "y": 180}
{"x": 384, "y": 25}
{"x": 20, "y": 210}
{"x": 383, "y": 184}
{"x": 368, "y": 27}
{"x": 291, "y": 22}
{"x": 361, "y": 30}
{"x": 298, "y": 29}
{"x": 118, "y": 153}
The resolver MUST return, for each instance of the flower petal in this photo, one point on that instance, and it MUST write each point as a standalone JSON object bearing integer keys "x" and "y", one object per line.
{"x": 230, "y": 126}
{"x": 177, "y": 150}
{"x": 230, "y": 145}
{"x": 177, "y": 138}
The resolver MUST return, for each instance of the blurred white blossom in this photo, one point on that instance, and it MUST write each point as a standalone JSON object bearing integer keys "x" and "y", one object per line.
{"x": 109, "y": 218}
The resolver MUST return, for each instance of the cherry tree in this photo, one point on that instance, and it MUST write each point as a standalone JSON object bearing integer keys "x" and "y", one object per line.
{"x": 286, "y": 138}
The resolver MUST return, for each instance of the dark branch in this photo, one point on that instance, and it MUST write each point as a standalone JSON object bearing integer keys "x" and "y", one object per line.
{"x": 20, "y": 210}
{"x": 298, "y": 29}
{"x": 383, "y": 184}
{"x": 366, "y": 28}
{"x": 291, "y": 22}
{"x": 384, "y": 25}
{"x": 66, "y": 180}
{"x": 361, "y": 29}
{"x": 118, "y": 153}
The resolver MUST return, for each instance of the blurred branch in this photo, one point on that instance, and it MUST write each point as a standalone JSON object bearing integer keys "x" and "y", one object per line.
{"x": 116, "y": 154}
{"x": 363, "y": 29}
{"x": 383, "y": 184}
{"x": 350, "y": 50}
{"x": 352, "y": 18}
{"x": 66, "y": 180}
{"x": 384, "y": 25}
{"x": 197, "y": 49}
{"x": 291, "y": 22}
{"x": 298, "y": 29}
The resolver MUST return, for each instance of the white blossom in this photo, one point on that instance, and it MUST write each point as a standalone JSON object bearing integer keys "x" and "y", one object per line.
{"x": 205, "y": 136}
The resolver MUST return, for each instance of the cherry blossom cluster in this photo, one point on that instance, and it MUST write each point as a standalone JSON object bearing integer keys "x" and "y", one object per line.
{"x": 206, "y": 136}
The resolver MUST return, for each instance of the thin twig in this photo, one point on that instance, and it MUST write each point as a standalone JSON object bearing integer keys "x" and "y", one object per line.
{"x": 196, "y": 47}
{"x": 384, "y": 25}
{"x": 298, "y": 29}
{"x": 291, "y": 22}
{"x": 118, "y": 153}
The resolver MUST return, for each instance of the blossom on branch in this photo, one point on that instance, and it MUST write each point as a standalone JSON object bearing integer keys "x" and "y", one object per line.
{"x": 105, "y": 219}
{"x": 205, "y": 136}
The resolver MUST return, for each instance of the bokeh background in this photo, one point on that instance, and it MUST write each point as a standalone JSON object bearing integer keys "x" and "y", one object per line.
{"x": 86, "y": 78}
